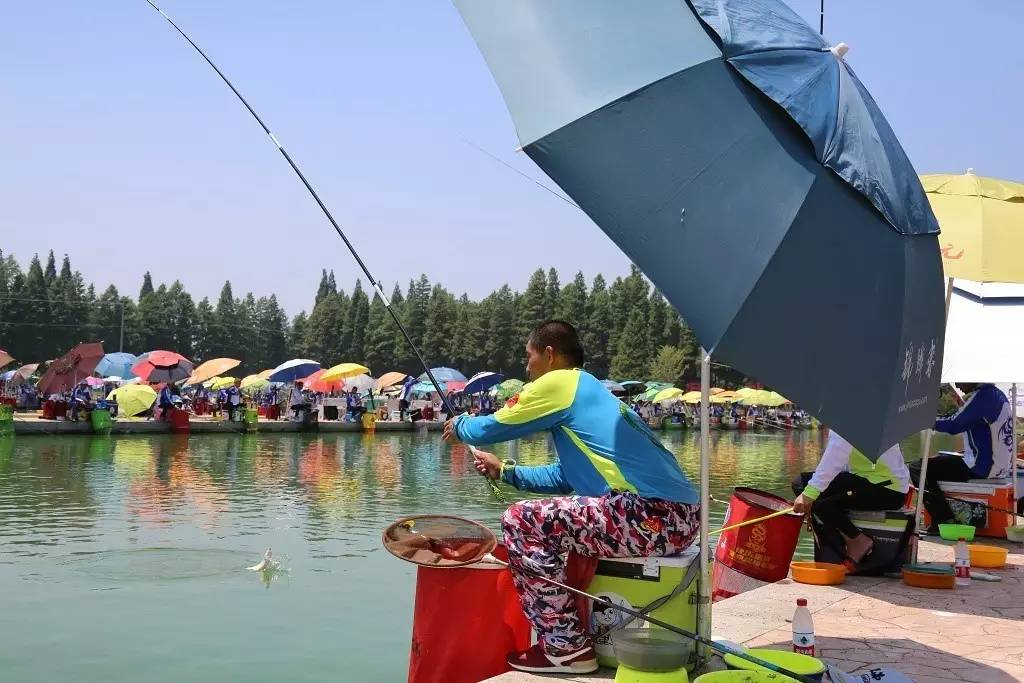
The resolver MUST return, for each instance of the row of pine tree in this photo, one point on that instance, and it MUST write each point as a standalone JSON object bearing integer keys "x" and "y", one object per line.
{"x": 628, "y": 329}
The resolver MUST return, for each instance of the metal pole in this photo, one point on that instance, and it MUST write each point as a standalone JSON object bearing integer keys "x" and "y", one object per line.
{"x": 821, "y": 19}
{"x": 1013, "y": 447}
{"x": 925, "y": 450}
{"x": 704, "y": 607}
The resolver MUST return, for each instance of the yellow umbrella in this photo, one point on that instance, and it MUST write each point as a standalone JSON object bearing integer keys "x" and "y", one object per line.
{"x": 223, "y": 383}
{"x": 667, "y": 394}
{"x": 266, "y": 373}
{"x": 691, "y": 397}
{"x": 132, "y": 399}
{"x": 344, "y": 371}
{"x": 253, "y": 382}
{"x": 390, "y": 379}
{"x": 725, "y": 397}
{"x": 982, "y": 221}
{"x": 745, "y": 391}
{"x": 211, "y": 369}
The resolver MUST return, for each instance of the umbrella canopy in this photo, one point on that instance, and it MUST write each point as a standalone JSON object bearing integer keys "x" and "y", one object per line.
{"x": 982, "y": 223}
{"x": 443, "y": 375}
{"x": 222, "y": 383}
{"x": 253, "y": 383}
{"x": 455, "y": 386}
{"x": 117, "y": 364}
{"x": 508, "y": 389}
{"x": 769, "y": 399}
{"x": 265, "y": 374}
{"x": 667, "y": 394}
{"x": 113, "y": 379}
{"x": 631, "y": 386}
{"x": 344, "y": 371}
{"x": 71, "y": 368}
{"x": 20, "y": 375}
{"x": 293, "y": 369}
{"x": 425, "y": 387}
{"x": 212, "y": 368}
{"x": 691, "y": 397}
{"x": 390, "y": 379}
{"x": 94, "y": 381}
{"x": 984, "y": 333}
{"x": 360, "y": 383}
{"x": 5, "y": 358}
{"x": 315, "y": 382}
{"x": 672, "y": 144}
{"x": 163, "y": 366}
{"x": 613, "y": 387}
{"x": 132, "y": 399}
{"x": 482, "y": 381}
{"x": 8, "y": 376}
{"x": 743, "y": 392}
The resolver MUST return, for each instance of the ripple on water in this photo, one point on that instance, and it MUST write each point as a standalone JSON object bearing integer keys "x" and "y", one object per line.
{"x": 160, "y": 564}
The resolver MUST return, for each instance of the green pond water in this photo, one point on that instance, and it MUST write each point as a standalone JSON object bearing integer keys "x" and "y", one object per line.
{"x": 124, "y": 558}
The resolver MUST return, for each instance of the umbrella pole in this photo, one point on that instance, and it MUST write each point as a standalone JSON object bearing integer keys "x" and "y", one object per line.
{"x": 1013, "y": 445}
{"x": 704, "y": 604}
{"x": 926, "y": 444}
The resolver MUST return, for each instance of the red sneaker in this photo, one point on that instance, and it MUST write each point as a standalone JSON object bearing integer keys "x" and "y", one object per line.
{"x": 536, "y": 660}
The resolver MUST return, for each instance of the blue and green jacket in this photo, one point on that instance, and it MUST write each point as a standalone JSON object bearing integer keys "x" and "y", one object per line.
{"x": 602, "y": 445}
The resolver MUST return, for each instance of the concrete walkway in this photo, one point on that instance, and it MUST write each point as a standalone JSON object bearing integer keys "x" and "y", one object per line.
{"x": 973, "y": 634}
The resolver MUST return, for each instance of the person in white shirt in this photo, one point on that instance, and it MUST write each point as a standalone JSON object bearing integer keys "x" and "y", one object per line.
{"x": 845, "y": 479}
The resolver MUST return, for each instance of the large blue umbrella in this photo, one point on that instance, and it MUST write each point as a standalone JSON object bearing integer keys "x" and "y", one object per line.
{"x": 722, "y": 141}
{"x": 443, "y": 375}
{"x": 293, "y": 369}
{"x": 482, "y": 381}
{"x": 117, "y": 364}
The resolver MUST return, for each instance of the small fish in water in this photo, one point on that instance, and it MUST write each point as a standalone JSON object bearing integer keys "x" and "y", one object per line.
{"x": 266, "y": 564}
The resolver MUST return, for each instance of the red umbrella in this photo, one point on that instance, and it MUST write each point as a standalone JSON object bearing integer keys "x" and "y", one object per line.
{"x": 5, "y": 358}
{"x": 314, "y": 383}
{"x": 163, "y": 366}
{"x": 71, "y": 368}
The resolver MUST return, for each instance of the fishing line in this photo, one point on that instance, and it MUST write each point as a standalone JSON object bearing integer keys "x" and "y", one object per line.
{"x": 337, "y": 228}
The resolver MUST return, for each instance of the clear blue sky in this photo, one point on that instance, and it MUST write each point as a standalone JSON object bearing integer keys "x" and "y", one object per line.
{"x": 124, "y": 150}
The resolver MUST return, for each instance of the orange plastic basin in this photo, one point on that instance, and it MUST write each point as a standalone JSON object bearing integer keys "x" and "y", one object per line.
{"x": 987, "y": 556}
{"x": 818, "y": 573}
{"x": 928, "y": 579}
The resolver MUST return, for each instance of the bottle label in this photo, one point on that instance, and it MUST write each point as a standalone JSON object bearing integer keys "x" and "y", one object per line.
{"x": 962, "y": 570}
{"x": 803, "y": 643}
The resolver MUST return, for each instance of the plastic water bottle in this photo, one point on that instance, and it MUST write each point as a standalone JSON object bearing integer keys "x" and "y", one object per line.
{"x": 962, "y": 563}
{"x": 803, "y": 629}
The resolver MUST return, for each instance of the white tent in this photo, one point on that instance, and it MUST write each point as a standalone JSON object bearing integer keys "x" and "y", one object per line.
{"x": 985, "y": 340}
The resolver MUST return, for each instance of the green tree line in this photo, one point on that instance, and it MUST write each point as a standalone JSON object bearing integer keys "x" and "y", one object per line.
{"x": 628, "y": 329}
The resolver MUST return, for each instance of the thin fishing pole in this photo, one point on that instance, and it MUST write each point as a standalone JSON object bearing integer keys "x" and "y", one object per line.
{"x": 337, "y": 228}
{"x": 525, "y": 175}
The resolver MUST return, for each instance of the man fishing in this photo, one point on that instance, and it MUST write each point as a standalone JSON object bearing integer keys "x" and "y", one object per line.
{"x": 623, "y": 493}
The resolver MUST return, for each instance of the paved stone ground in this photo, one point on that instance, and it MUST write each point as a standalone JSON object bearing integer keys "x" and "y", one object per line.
{"x": 973, "y": 634}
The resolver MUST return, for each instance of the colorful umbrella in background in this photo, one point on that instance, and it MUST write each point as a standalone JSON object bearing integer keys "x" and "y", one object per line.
{"x": 673, "y": 145}
{"x": 118, "y": 364}
{"x": 632, "y": 386}
{"x": 455, "y": 386}
{"x": 482, "y": 381}
{"x": 344, "y": 371}
{"x": 443, "y": 375}
{"x": 71, "y": 368}
{"x": 982, "y": 222}
{"x": 20, "y": 375}
{"x": 293, "y": 369}
{"x": 223, "y": 383}
{"x": 691, "y": 397}
{"x": 315, "y": 382}
{"x": 265, "y": 374}
{"x": 94, "y": 382}
{"x": 212, "y": 368}
{"x": 253, "y": 383}
{"x": 613, "y": 386}
{"x": 390, "y": 379}
{"x": 667, "y": 395}
{"x": 132, "y": 399}
{"x": 163, "y": 367}
{"x": 5, "y": 358}
{"x": 508, "y": 389}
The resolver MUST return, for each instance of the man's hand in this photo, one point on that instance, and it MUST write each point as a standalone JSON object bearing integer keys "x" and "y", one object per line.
{"x": 802, "y": 504}
{"x": 487, "y": 464}
{"x": 449, "y": 434}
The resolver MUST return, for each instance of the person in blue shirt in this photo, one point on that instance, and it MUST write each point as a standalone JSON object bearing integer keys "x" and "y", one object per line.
{"x": 985, "y": 421}
{"x": 165, "y": 401}
{"x": 618, "y": 492}
{"x": 81, "y": 399}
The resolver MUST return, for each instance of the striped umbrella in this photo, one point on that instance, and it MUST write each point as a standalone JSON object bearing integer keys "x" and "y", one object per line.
{"x": 163, "y": 367}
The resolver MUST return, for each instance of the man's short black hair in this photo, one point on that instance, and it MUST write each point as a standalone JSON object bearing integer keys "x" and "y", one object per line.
{"x": 561, "y": 337}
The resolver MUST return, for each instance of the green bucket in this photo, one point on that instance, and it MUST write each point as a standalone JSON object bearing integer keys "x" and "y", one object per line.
{"x": 252, "y": 418}
{"x": 743, "y": 677}
{"x": 101, "y": 421}
{"x": 6, "y": 419}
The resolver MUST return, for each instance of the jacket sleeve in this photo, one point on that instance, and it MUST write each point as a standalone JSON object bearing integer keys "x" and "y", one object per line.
{"x": 538, "y": 479}
{"x": 541, "y": 405}
{"x": 834, "y": 460}
{"x": 981, "y": 406}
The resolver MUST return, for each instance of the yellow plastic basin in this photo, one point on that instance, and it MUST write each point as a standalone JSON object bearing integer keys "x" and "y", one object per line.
{"x": 987, "y": 556}
{"x": 818, "y": 573}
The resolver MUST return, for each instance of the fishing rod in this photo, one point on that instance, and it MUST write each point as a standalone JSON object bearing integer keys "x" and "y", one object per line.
{"x": 334, "y": 223}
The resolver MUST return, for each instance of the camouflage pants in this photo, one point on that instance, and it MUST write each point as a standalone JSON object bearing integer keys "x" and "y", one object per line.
{"x": 540, "y": 533}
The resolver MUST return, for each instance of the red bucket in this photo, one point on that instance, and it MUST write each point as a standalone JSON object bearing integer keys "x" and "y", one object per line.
{"x": 466, "y": 621}
{"x": 763, "y": 550}
{"x": 179, "y": 420}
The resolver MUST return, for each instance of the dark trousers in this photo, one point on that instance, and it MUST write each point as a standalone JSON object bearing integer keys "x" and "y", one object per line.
{"x": 940, "y": 468}
{"x": 848, "y": 492}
